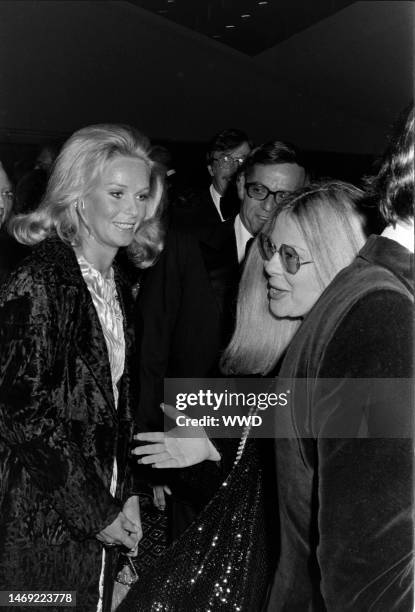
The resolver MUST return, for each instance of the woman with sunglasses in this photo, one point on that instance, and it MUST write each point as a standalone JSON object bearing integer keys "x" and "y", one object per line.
{"x": 314, "y": 234}
{"x": 344, "y": 456}
{"x": 308, "y": 241}
{"x": 344, "y": 446}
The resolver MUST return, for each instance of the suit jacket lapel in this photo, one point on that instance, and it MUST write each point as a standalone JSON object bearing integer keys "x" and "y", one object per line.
{"x": 209, "y": 210}
{"x": 219, "y": 252}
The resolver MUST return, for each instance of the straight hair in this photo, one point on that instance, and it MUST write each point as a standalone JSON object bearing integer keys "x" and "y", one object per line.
{"x": 326, "y": 216}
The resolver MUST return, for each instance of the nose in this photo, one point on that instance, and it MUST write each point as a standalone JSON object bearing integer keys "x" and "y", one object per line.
{"x": 269, "y": 203}
{"x": 273, "y": 266}
{"x": 131, "y": 206}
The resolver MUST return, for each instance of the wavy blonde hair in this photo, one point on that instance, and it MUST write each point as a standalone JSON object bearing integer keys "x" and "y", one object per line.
{"x": 80, "y": 162}
{"x": 332, "y": 228}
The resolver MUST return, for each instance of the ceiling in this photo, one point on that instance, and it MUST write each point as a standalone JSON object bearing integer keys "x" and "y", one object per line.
{"x": 250, "y": 26}
{"x": 336, "y": 85}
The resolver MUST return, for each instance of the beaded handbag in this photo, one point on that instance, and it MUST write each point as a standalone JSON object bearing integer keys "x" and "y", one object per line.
{"x": 223, "y": 561}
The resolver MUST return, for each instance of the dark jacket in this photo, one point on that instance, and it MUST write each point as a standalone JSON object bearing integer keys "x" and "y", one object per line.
{"x": 185, "y": 312}
{"x": 198, "y": 213}
{"x": 344, "y": 444}
{"x": 59, "y": 428}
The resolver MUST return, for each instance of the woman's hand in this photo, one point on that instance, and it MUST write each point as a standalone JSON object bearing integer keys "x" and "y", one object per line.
{"x": 167, "y": 450}
{"x": 121, "y": 532}
{"x": 131, "y": 510}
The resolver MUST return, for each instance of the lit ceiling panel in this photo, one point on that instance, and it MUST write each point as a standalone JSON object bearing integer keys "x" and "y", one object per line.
{"x": 250, "y": 26}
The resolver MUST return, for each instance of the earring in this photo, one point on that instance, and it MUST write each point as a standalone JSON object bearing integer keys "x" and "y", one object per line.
{"x": 83, "y": 205}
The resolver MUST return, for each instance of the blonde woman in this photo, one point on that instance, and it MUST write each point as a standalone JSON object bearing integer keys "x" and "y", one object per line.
{"x": 322, "y": 220}
{"x": 66, "y": 390}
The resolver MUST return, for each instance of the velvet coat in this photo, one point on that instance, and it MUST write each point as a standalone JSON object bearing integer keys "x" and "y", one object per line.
{"x": 59, "y": 428}
{"x": 344, "y": 445}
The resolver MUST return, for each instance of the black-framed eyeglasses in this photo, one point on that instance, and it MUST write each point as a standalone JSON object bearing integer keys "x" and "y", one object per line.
{"x": 260, "y": 192}
{"x": 290, "y": 259}
{"x": 229, "y": 160}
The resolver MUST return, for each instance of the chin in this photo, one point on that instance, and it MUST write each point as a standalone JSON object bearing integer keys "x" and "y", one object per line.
{"x": 123, "y": 241}
{"x": 126, "y": 242}
{"x": 285, "y": 311}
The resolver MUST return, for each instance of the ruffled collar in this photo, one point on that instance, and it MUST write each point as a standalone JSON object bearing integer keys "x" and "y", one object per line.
{"x": 102, "y": 285}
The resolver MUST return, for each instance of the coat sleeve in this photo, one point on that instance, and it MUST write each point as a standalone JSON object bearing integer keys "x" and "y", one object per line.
{"x": 365, "y": 482}
{"x": 32, "y": 421}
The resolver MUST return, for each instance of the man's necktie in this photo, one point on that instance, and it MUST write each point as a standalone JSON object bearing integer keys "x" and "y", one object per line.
{"x": 247, "y": 247}
{"x": 224, "y": 208}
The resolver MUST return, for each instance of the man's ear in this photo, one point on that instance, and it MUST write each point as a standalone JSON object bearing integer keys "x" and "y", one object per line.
{"x": 210, "y": 170}
{"x": 240, "y": 186}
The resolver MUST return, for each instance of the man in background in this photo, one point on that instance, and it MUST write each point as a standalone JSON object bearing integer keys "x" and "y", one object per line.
{"x": 212, "y": 205}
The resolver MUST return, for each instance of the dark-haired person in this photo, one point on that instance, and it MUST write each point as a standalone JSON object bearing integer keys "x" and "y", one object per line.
{"x": 270, "y": 173}
{"x": 345, "y": 479}
{"x": 212, "y": 205}
{"x": 67, "y": 399}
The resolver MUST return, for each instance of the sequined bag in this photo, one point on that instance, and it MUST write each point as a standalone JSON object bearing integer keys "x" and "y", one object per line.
{"x": 223, "y": 561}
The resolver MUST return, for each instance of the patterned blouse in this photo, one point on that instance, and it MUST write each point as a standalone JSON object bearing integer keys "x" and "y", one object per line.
{"x": 104, "y": 296}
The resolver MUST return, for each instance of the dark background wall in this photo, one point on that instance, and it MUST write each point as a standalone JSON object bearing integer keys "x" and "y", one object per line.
{"x": 334, "y": 87}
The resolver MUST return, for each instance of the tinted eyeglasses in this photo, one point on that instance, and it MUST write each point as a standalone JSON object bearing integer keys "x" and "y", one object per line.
{"x": 227, "y": 160}
{"x": 290, "y": 259}
{"x": 258, "y": 191}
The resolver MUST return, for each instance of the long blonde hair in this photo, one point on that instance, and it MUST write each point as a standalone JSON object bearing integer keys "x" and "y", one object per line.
{"x": 326, "y": 215}
{"x": 81, "y": 160}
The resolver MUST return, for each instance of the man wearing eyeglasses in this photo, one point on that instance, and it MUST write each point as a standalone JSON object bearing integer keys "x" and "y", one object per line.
{"x": 212, "y": 205}
{"x": 226, "y": 154}
{"x": 269, "y": 174}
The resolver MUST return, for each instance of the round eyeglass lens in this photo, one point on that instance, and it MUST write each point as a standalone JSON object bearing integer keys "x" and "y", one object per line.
{"x": 267, "y": 247}
{"x": 290, "y": 259}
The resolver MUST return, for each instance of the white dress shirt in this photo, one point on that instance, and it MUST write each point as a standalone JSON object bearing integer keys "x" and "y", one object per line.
{"x": 403, "y": 233}
{"x": 216, "y": 200}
